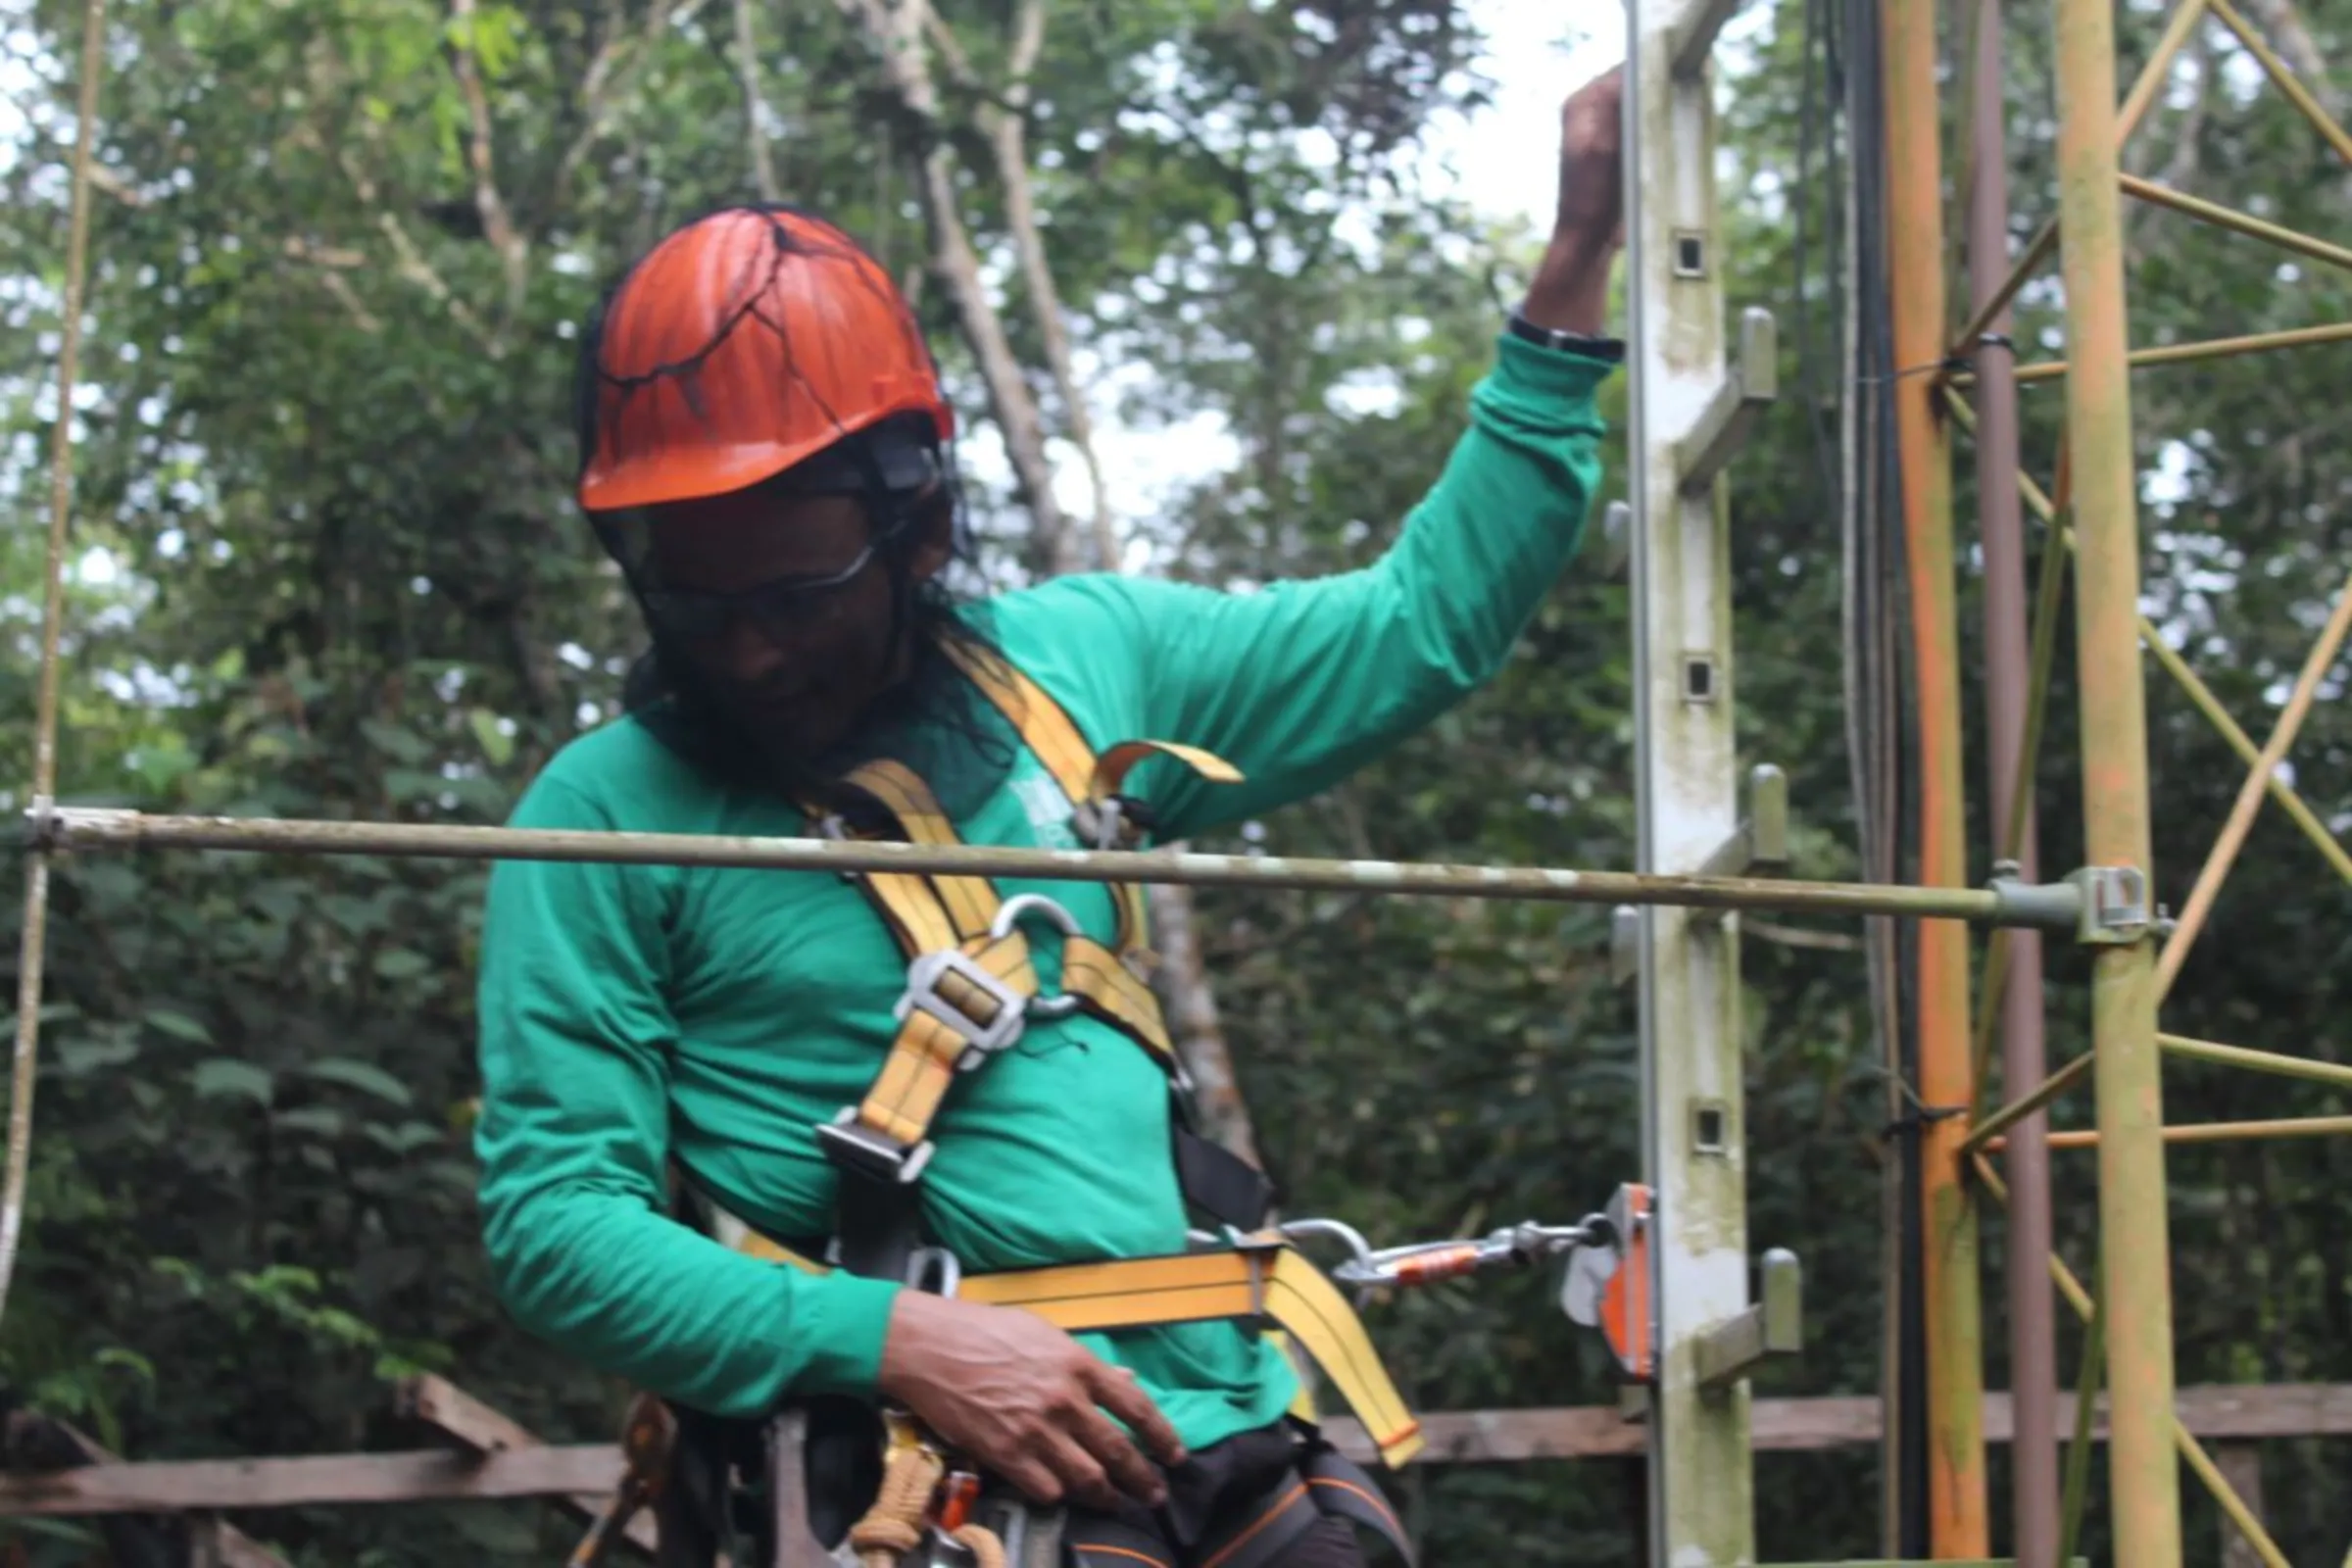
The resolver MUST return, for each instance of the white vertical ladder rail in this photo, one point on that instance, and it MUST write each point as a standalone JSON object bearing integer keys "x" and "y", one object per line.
{"x": 1691, "y": 403}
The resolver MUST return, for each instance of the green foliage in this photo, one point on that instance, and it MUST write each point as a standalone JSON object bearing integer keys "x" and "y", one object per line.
{"x": 325, "y": 456}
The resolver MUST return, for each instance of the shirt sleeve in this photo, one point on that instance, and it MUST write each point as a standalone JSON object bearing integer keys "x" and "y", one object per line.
{"x": 1303, "y": 682}
{"x": 573, "y": 1146}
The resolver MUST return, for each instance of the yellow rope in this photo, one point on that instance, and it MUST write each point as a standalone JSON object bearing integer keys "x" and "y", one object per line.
{"x": 893, "y": 1526}
{"x": 982, "y": 1542}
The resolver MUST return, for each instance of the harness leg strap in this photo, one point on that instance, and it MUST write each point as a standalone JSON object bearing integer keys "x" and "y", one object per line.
{"x": 792, "y": 1538}
{"x": 1342, "y": 1486}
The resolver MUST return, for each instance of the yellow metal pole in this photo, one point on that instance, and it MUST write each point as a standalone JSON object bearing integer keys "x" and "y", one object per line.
{"x": 2215, "y": 870}
{"x": 2134, "y": 1230}
{"x": 2186, "y": 18}
{"x": 2183, "y": 1440}
{"x": 2270, "y": 1062}
{"x": 2219, "y": 348}
{"x": 2217, "y": 1132}
{"x": 2229, "y": 217}
{"x": 2286, "y": 80}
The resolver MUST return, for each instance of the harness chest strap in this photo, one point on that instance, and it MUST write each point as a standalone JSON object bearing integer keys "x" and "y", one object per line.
{"x": 971, "y": 980}
{"x": 971, "y": 985}
{"x": 1264, "y": 1281}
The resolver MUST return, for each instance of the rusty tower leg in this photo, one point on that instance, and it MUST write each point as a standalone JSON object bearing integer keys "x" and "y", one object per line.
{"x": 1958, "y": 1526}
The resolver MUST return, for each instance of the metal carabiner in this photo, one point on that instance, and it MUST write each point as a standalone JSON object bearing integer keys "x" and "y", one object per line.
{"x": 1010, "y": 915}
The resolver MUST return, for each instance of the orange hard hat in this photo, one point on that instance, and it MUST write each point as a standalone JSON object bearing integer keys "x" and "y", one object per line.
{"x": 746, "y": 342}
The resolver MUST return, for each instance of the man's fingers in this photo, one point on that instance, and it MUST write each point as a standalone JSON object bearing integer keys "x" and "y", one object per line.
{"x": 1121, "y": 1460}
{"x": 1032, "y": 1477}
{"x": 1082, "y": 1478}
{"x": 1119, "y": 1393}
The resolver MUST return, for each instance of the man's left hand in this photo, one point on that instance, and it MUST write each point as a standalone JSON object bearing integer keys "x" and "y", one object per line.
{"x": 1570, "y": 289}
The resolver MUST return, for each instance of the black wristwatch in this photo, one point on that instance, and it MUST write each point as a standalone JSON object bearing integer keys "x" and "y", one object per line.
{"x": 1609, "y": 348}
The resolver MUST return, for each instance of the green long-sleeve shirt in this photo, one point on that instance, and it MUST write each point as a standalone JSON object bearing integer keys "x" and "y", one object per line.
{"x": 633, "y": 1014}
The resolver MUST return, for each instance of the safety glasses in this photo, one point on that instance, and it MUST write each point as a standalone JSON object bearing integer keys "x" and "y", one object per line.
{"x": 780, "y": 610}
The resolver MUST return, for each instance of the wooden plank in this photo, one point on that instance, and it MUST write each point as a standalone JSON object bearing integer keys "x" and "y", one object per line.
{"x": 30, "y": 1431}
{"x": 2221, "y": 1414}
{"x": 487, "y": 1429}
{"x": 436, "y": 1473}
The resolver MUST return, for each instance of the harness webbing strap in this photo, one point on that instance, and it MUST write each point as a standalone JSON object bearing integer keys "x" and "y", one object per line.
{"x": 1094, "y": 974}
{"x": 1266, "y": 1283}
{"x": 1112, "y": 770}
{"x": 1045, "y": 728}
{"x": 929, "y": 1052}
{"x": 970, "y": 901}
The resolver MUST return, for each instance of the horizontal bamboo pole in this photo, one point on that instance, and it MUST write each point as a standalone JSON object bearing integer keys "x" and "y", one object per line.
{"x": 2211, "y": 1131}
{"x": 2270, "y": 1062}
{"x": 2056, "y": 906}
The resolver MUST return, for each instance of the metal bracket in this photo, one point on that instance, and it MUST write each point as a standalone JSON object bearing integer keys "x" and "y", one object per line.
{"x": 1691, "y": 45}
{"x": 1761, "y": 843}
{"x": 1774, "y": 1326}
{"x": 1749, "y": 384}
{"x": 2115, "y": 905}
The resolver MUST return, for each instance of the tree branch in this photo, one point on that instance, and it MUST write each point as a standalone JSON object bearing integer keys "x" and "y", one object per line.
{"x": 894, "y": 29}
{"x": 755, "y": 108}
{"x": 1196, "y": 1027}
{"x": 498, "y": 223}
{"x": 1007, "y": 128}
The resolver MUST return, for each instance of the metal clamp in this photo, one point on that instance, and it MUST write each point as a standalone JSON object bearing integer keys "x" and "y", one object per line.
{"x": 1010, "y": 915}
{"x": 982, "y": 1037}
{"x": 2115, "y": 905}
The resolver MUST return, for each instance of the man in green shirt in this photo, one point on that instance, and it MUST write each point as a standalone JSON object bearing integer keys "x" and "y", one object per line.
{"x": 765, "y": 452}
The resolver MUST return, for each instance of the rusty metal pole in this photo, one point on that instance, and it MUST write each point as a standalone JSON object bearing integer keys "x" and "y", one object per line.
{"x": 2032, "y": 1315}
{"x": 1958, "y": 1518}
{"x": 2135, "y": 1246}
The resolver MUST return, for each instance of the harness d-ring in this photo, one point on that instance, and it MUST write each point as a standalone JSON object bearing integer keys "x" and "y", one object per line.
{"x": 1010, "y": 915}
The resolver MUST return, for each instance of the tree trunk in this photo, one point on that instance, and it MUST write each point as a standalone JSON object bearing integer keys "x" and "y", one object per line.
{"x": 1196, "y": 1025}
{"x": 754, "y": 129}
{"x": 898, "y": 29}
{"x": 895, "y": 30}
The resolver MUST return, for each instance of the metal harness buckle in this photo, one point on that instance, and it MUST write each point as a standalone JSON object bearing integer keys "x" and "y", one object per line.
{"x": 982, "y": 1037}
{"x": 850, "y": 1144}
{"x": 1010, "y": 915}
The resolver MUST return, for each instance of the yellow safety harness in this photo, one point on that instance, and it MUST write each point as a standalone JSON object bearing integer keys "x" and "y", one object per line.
{"x": 971, "y": 986}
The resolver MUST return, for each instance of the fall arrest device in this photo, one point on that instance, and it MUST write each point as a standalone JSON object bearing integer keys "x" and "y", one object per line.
{"x": 971, "y": 989}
